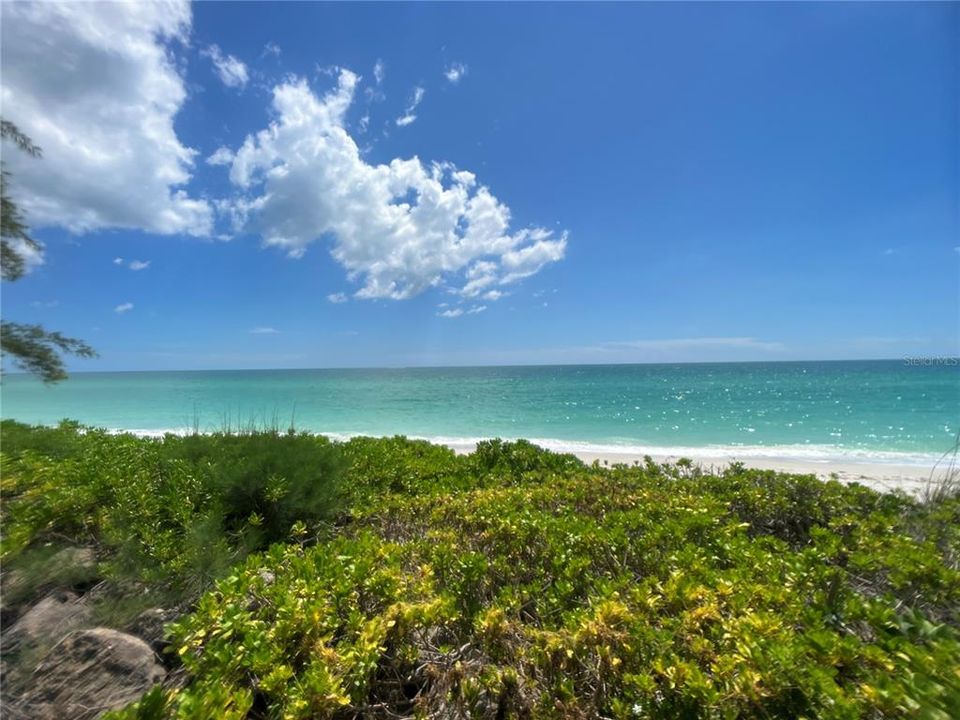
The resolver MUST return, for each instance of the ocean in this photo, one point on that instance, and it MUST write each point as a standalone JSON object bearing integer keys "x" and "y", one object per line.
{"x": 871, "y": 411}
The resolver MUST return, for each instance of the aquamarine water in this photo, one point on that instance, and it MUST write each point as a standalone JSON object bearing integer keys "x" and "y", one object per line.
{"x": 877, "y": 410}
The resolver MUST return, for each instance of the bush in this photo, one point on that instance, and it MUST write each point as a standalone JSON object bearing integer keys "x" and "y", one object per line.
{"x": 175, "y": 511}
{"x": 512, "y": 582}
{"x": 625, "y": 594}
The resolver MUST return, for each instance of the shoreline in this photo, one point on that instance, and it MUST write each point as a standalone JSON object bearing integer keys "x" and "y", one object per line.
{"x": 884, "y": 471}
{"x": 881, "y": 476}
{"x": 878, "y": 476}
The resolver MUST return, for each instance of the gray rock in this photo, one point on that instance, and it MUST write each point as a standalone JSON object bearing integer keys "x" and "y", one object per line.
{"x": 88, "y": 673}
{"x": 66, "y": 567}
{"x": 46, "y": 622}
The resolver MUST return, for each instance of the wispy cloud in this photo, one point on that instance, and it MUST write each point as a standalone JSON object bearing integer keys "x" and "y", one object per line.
{"x": 264, "y": 331}
{"x": 133, "y": 264}
{"x": 455, "y": 72}
{"x": 271, "y": 48}
{"x": 379, "y": 72}
{"x": 458, "y": 311}
{"x": 702, "y": 343}
{"x": 45, "y": 304}
{"x": 409, "y": 116}
{"x": 123, "y": 307}
{"x": 337, "y": 298}
{"x": 231, "y": 71}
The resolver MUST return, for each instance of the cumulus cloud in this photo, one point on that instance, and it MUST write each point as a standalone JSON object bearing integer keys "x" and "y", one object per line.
{"x": 221, "y": 156}
{"x": 409, "y": 116}
{"x": 452, "y": 313}
{"x": 123, "y": 307}
{"x": 93, "y": 84}
{"x": 118, "y": 261}
{"x": 231, "y": 71}
{"x": 397, "y": 228}
{"x": 337, "y": 298}
{"x": 455, "y": 72}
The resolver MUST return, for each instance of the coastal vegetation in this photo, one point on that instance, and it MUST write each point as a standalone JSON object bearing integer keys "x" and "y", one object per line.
{"x": 388, "y": 578}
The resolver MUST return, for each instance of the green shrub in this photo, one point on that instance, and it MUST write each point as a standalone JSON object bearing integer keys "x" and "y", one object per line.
{"x": 622, "y": 594}
{"x": 512, "y": 582}
{"x": 175, "y": 511}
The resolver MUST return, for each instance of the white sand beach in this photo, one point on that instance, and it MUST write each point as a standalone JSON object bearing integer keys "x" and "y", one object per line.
{"x": 879, "y": 476}
{"x": 882, "y": 476}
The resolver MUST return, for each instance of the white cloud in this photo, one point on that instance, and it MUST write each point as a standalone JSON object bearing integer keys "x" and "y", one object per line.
{"x": 133, "y": 264}
{"x": 264, "y": 331}
{"x": 364, "y": 123}
{"x": 337, "y": 298}
{"x": 379, "y": 72}
{"x": 221, "y": 156}
{"x": 529, "y": 260}
{"x": 455, "y": 72}
{"x": 231, "y": 71}
{"x": 32, "y": 256}
{"x": 123, "y": 307}
{"x": 457, "y": 311}
{"x": 94, "y": 85}
{"x": 409, "y": 116}
{"x": 47, "y": 304}
{"x": 271, "y": 48}
{"x": 493, "y": 295}
{"x": 397, "y": 228}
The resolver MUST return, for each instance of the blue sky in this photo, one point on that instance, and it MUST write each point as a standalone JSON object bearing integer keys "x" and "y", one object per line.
{"x": 678, "y": 182}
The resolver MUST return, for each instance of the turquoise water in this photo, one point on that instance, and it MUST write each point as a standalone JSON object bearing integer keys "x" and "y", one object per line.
{"x": 878, "y": 410}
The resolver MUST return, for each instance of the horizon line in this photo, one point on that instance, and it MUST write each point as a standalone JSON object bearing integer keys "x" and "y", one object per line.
{"x": 928, "y": 361}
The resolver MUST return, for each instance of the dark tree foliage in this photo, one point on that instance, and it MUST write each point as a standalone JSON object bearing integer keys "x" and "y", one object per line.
{"x": 38, "y": 351}
{"x": 31, "y": 348}
{"x": 12, "y": 226}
